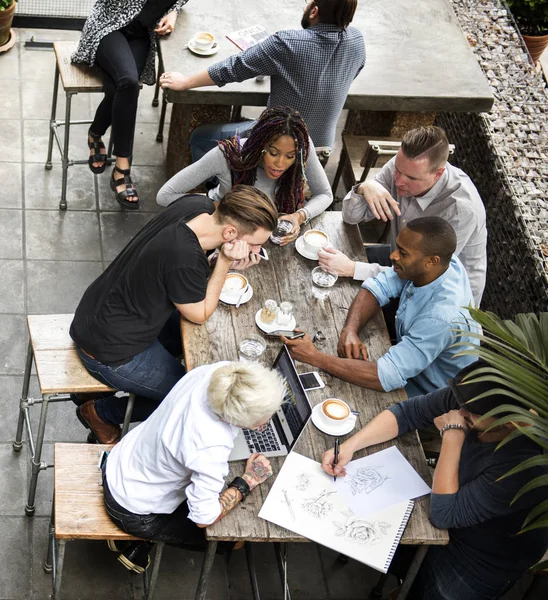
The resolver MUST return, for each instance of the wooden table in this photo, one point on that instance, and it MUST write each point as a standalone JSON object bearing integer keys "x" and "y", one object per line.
{"x": 286, "y": 276}
{"x": 418, "y": 62}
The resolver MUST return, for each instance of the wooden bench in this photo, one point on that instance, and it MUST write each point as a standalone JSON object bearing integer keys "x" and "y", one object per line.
{"x": 60, "y": 373}
{"x": 79, "y": 512}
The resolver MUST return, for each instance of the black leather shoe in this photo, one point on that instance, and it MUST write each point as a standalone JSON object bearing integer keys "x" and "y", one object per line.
{"x": 136, "y": 557}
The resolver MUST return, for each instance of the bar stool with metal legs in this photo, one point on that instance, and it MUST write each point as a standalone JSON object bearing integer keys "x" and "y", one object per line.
{"x": 60, "y": 373}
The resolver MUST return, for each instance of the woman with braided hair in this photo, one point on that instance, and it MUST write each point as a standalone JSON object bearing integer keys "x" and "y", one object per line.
{"x": 278, "y": 158}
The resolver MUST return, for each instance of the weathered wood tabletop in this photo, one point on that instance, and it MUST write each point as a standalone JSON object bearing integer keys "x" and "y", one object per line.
{"x": 287, "y": 276}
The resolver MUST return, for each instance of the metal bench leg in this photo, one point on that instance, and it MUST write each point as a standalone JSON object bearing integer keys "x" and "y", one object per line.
{"x": 65, "y": 157}
{"x": 281, "y": 558}
{"x": 205, "y": 573}
{"x": 35, "y": 462}
{"x": 48, "y": 564}
{"x": 251, "y": 570}
{"x": 127, "y": 416}
{"x": 58, "y": 569}
{"x": 412, "y": 572}
{"x": 18, "y": 443}
{"x": 342, "y": 162}
{"x": 160, "y": 134}
{"x": 49, "y": 164}
{"x": 155, "y": 570}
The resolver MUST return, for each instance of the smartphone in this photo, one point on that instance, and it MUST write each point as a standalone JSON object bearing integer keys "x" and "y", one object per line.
{"x": 262, "y": 253}
{"x": 290, "y": 335}
{"x": 311, "y": 381}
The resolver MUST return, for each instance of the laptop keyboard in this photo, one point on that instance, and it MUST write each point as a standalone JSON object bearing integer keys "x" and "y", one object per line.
{"x": 262, "y": 442}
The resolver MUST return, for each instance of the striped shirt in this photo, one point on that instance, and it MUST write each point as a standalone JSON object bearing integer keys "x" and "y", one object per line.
{"x": 311, "y": 71}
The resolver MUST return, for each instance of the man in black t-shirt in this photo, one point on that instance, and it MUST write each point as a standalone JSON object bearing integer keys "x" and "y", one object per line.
{"x": 126, "y": 327}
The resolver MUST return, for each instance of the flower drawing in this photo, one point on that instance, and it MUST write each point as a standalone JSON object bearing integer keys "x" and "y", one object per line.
{"x": 360, "y": 531}
{"x": 303, "y": 481}
{"x": 319, "y": 506}
{"x": 366, "y": 480}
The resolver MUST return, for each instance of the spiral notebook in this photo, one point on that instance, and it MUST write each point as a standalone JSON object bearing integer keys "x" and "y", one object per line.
{"x": 305, "y": 500}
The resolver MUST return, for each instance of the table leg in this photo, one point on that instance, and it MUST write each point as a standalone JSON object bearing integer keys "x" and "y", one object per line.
{"x": 412, "y": 572}
{"x": 251, "y": 570}
{"x": 205, "y": 573}
{"x": 18, "y": 443}
{"x": 281, "y": 558}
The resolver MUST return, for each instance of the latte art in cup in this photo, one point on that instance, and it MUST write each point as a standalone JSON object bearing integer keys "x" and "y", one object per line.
{"x": 234, "y": 286}
{"x": 335, "y": 409}
{"x": 204, "y": 40}
{"x": 315, "y": 240}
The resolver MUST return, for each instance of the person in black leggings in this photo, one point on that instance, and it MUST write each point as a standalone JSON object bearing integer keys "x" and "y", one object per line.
{"x": 123, "y": 55}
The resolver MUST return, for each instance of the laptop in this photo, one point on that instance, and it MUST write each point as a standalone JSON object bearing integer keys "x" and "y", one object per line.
{"x": 286, "y": 424}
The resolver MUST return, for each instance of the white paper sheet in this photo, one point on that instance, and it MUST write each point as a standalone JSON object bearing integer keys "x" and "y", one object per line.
{"x": 379, "y": 480}
{"x": 304, "y": 499}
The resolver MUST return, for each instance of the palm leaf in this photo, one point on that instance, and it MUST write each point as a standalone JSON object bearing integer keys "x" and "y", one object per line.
{"x": 536, "y": 512}
{"x": 534, "y": 461}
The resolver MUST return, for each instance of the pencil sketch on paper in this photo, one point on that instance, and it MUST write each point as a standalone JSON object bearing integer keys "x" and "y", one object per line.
{"x": 303, "y": 481}
{"x": 361, "y": 531}
{"x": 319, "y": 506}
{"x": 366, "y": 480}
{"x": 287, "y": 501}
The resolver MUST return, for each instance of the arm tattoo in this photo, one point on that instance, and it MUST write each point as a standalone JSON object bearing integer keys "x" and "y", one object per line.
{"x": 260, "y": 471}
{"x": 228, "y": 499}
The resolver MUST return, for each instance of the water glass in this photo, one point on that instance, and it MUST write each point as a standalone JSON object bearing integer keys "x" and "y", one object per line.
{"x": 251, "y": 349}
{"x": 284, "y": 315}
{"x": 323, "y": 280}
{"x": 283, "y": 228}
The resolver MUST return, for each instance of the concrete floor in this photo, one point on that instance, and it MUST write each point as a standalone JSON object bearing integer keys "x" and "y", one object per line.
{"x": 48, "y": 258}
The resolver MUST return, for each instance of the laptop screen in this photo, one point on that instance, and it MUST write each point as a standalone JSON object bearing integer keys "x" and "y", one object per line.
{"x": 296, "y": 410}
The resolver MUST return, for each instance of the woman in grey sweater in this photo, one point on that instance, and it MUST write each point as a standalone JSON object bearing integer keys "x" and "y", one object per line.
{"x": 278, "y": 158}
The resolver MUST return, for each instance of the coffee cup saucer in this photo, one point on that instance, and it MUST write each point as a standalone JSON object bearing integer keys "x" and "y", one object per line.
{"x": 335, "y": 429}
{"x": 269, "y": 327}
{"x": 299, "y": 246}
{"x": 195, "y": 50}
{"x": 233, "y": 301}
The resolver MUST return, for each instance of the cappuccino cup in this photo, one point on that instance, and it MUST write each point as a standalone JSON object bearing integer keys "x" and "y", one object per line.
{"x": 235, "y": 284}
{"x": 335, "y": 411}
{"x": 315, "y": 240}
{"x": 203, "y": 40}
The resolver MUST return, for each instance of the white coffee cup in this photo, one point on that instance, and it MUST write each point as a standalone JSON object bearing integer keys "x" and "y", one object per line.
{"x": 203, "y": 40}
{"x": 335, "y": 411}
{"x": 235, "y": 284}
{"x": 315, "y": 240}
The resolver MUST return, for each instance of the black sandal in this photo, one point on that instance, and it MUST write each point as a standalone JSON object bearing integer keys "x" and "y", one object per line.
{"x": 129, "y": 192}
{"x": 97, "y": 155}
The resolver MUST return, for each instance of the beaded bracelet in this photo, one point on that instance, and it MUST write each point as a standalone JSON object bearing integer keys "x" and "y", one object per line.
{"x": 452, "y": 426}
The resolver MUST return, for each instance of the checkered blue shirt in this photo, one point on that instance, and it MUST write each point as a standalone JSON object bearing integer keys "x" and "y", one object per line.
{"x": 310, "y": 70}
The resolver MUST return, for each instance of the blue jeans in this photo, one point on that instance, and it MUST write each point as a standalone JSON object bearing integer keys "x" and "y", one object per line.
{"x": 150, "y": 375}
{"x": 441, "y": 577}
{"x": 205, "y": 138}
{"x": 175, "y": 528}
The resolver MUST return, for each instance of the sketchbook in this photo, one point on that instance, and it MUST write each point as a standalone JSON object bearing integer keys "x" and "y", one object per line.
{"x": 245, "y": 38}
{"x": 305, "y": 500}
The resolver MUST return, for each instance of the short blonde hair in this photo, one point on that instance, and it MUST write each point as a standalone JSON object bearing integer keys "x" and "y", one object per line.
{"x": 245, "y": 394}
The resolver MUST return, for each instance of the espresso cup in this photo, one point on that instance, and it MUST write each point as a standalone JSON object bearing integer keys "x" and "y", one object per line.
{"x": 315, "y": 240}
{"x": 235, "y": 284}
{"x": 204, "y": 40}
{"x": 335, "y": 411}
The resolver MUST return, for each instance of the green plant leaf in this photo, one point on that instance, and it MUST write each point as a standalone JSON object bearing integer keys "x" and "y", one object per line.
{"x": 535, "y": 483}
{"x": 537, "y": 511}
{"x": 534, "y": 461}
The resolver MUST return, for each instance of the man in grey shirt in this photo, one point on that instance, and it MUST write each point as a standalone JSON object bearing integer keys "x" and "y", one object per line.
{"x": 418, "y": 182}
{"x": 310, "y": 70}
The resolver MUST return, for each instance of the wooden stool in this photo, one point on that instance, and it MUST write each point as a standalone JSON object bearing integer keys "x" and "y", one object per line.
{"x": 60, "y": 372}
{"x": 79, "y": 513}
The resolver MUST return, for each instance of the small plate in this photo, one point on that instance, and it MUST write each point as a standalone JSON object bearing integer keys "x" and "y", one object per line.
{"x": 268, "y": 327}
{"x": 213, "y": 50}
{"x": 336, "y": 430}
{"x": 299, "y": 246}
{"x": 246, "y": 298}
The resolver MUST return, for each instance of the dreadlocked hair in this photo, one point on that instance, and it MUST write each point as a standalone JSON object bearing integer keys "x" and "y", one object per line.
{"x": 243, "y": 161}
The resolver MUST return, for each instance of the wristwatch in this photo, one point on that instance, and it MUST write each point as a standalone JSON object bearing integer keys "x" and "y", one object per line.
{"x": 241, "y": 485}
{"x": 452, "y": 426}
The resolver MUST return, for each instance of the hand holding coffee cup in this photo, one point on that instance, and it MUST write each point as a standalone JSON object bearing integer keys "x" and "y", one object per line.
{"x": 203, "y": 40}
{"x": 314, "y": 240}
{"x": 234, "y": 286}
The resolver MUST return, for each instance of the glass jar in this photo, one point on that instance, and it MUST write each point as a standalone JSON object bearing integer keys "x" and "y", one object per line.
{"x": 284, "y": 315}
{"x": 268, "y": 312}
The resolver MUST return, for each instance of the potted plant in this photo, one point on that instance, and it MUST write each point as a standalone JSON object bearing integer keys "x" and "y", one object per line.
{"x": 532, "y": 19}
{"x": 7, "y": 8}
{"x": 517, "y": 356}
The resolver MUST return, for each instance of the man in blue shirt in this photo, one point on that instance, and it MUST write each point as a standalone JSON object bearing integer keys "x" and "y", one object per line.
{"x": 310, "y": 70}
{"x": 433, "y": 289}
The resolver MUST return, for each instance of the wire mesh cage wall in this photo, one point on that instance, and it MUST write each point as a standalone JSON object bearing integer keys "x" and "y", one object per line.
{"x": 64, "y": 9}
{"x": 505, "y": 153}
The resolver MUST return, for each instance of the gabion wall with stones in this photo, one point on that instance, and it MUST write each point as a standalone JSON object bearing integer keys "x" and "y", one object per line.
{"x": 505, "y": 153}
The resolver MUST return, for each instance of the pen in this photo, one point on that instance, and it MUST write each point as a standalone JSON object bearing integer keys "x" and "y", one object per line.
{"x": 336, "y": 459}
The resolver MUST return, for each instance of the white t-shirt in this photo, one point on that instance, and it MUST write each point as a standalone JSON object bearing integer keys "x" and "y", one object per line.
{"x": 180, "y": 452}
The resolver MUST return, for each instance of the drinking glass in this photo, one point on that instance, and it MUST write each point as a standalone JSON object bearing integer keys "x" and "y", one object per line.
{"x": 251, "y": 349}
{"x": 283, "y": 228}
{"x": 323, "y": 280}
{"x": 285, "y": 314}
